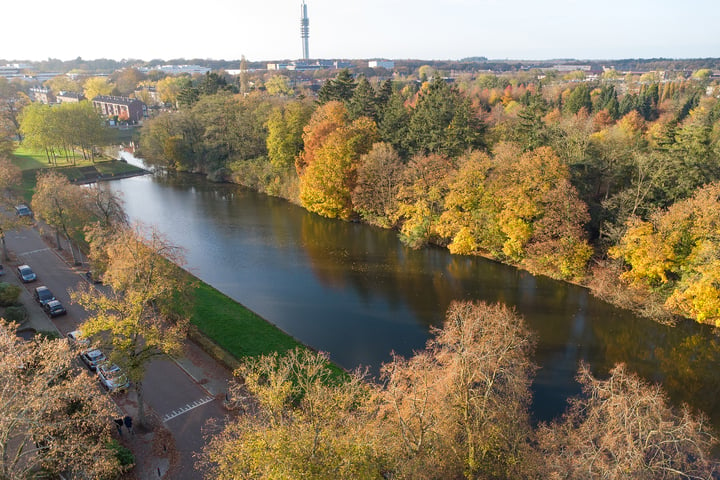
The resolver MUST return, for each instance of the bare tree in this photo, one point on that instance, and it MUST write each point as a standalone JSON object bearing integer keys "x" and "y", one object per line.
{"x": 461, "y": 407}
{"x": 52, "y": 418}
{"x": 622, "y": 428}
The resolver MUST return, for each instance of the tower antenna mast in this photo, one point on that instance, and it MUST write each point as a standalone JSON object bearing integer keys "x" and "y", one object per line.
{"x": 304, "y": 31}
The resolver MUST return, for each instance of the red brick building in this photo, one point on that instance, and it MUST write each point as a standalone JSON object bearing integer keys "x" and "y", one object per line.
{"x": 126, "y": 109}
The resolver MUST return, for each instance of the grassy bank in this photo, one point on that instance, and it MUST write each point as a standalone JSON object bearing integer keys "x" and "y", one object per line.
{"x": 233, "y": 327}
{"x": 31, "y": 162}
{"x": 229, "y": 332}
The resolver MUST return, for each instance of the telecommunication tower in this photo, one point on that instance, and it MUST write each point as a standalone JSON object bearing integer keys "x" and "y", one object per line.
{"x": 305, "y": 31}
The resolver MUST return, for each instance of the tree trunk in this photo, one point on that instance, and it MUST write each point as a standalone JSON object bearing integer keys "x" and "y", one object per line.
{"x": 72, "y": 250}
{"x": 57, "y": 239}
{"x": 141, "y": 420}
{"x": 6, "y": 255}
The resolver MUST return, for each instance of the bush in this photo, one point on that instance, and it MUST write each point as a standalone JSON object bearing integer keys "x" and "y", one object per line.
{"x": 17, "y": 314}
{"x": 123, "y": 454}
{"x": 9, "y": 294}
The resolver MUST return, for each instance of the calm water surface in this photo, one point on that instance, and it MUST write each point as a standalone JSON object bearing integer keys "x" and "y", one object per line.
{"x": 356, "y": 292}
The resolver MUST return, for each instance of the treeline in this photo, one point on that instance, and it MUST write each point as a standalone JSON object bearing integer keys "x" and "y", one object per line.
{"x": 458, "y": 409}
{"x": 546, "y": 174}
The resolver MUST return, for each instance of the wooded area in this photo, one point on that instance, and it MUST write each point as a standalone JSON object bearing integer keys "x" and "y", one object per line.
{"x": 548, "y": 175}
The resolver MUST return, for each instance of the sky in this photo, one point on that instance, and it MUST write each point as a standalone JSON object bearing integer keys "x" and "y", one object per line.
{"x": 264, "y": 30}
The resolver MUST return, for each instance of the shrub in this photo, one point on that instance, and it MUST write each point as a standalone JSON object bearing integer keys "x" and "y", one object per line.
{"x": 17, "y": 314}
{"x": 9, "y": 294}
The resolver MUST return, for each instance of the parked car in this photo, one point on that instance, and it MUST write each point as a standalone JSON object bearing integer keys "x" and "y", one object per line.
{"x": 26, "y": 274}
{"x": 2, "y": 269}
{"x": 54, "y": 308}
{"x": 112, "y": 378}
{"x": 43, "y": 295}
{"x": 23, "y": 210}
{"x": 75, "y": 338}
{"x": 92, "y": 358}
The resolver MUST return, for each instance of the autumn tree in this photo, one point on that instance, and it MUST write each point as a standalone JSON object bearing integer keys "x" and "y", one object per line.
{"x": 301, "y": 421}
{"x": 421, "y": 199}
{"x": 96, "y": 86}
{"x": 279, "y": 85}
{"x": 126, "y": 80}
{"x": 285, "y": 133}
{"x": 168, "y": 88}
{"x": 10, "y": 180}
{"x": 63, "y": 206}
{"x": 12, "y": 102}
{"x": 379, "y": 177}
{"x": 470, "y": 217}
{"x": 53, "y": 419}
{"x": 328, "y": 165}
{"x": 624, "y": 427}
{"x": 675, "y": 253}
{"x": 462, "y": 406}
{"x": 145, "y": 313}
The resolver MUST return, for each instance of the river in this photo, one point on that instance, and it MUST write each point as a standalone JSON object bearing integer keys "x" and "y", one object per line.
{"x": 357, "y": 293}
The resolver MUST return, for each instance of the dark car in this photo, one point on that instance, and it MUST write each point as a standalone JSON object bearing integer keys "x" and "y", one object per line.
{"x": 26, "y": 274}
{"x": 54, "y": 308}
{"x": 92, "y": 358}
{"x": 23, "y": 211}
{"x": 43, "y": 295}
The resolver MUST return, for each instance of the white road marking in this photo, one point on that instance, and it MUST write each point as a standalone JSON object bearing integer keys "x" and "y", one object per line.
{"x": 187, "y": 408}
{"x": 33, "y": 251}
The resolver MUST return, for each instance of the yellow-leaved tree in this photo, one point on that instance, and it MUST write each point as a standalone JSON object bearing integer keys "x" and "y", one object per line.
{"x": 328, "y": 165}
{"x": 145, "y": 315}
{"x": 676, "y": 253}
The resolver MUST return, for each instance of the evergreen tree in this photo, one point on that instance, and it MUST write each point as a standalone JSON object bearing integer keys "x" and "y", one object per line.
{"x": 363, "y": 102}
{"x": 578, "y": 99}
{"x": 394, "y": 124}
{"x": 443, "y": 122}
{"x": 340, "y": 88}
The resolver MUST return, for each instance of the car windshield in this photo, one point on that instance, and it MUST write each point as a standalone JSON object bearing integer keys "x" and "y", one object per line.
{"x": 25, "y": 270}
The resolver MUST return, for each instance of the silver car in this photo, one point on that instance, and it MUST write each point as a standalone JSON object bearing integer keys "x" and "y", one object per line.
{"x": 112, "y": 378}
{"x": 92, "y": 358}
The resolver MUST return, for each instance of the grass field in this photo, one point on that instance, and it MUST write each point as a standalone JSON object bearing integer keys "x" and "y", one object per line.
{"x": 31, "y": 162}
{"x": 236, "y": 329}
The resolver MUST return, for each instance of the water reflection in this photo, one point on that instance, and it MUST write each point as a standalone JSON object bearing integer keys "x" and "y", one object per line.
{"x": 356, "y": 292}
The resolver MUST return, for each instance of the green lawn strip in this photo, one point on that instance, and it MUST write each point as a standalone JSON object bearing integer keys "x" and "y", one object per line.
{"x": 239, "y": 331}
{"x": 235, "y": 328}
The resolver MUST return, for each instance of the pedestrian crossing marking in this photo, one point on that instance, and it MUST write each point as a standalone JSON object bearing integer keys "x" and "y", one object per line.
{"x": 187, "y": 408}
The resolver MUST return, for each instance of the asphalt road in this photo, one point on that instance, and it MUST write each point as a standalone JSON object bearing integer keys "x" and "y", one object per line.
{"x": 178, "y": 400}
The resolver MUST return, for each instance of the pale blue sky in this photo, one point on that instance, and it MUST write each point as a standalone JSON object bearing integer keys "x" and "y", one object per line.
{"x": 396, "y": 29}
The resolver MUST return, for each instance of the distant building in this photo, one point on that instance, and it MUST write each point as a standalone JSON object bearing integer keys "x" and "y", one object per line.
{"x": 301, "y": 66}
{"x": 69, "y": 97}
{"x": 177, "y": 69}
{"x": 387, "y": 64}
{"x": 147, "y": 93}
{"x": 42, "y": 95}
{"x": 572, "y": 68}
{"x": 129, "y": 109}
{"x": 13, "y": 70}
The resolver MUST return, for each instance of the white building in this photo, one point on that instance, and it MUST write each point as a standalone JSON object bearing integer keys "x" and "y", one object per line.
{"x": 387, "y": 64}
